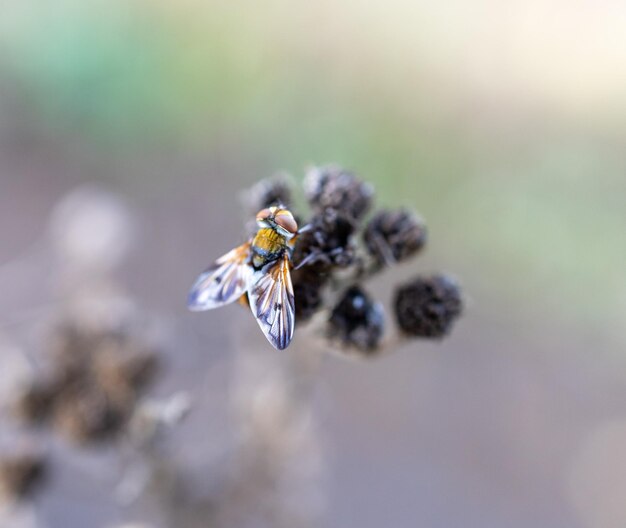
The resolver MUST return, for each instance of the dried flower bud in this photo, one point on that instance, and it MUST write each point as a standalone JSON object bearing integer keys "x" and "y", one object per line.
{"x": 335, "y": 188}
{"x": 140, "y": 369}
{"x": 268, "y": 192}
{"x": 71, "y": 347}
{"x": 393, "y": 236}
{"x": 357, "y": 321}
{"x": 308, "y": 283}
{"x": 96, "y": 381}
{"x": 88, "y": 414}
{"x": 34, "y": 402}
{"x": 328, "y": 242}
{"x": 124, "y": 365}
{"x": 428, "y": 306}
{"x": 21, "y": 474}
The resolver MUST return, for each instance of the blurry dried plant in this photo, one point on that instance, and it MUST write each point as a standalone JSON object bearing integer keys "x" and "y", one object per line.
{"x": 95, "y": 352}
{"x": 278, "y": 464}
{"x": 96, "y": 358}
{"x": 21, "y": 473}
{"x": 96, "y": 380}
{"x": 276, "y": 480}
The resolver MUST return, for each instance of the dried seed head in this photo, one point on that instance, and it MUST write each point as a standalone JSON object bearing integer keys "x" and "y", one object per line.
{"x": 393, "y": 236}
{"x": 328, "y": 242}
{"x": 308, "y": 284}
{"x": 140, "y": 369}
{"x": 124, "y": 364}
{"x": 327, "y": 256}
{"x": 21, "y": 474}
{"x": 357, "y": 321}
{"x": 97, "y": 378}
{"x": 269, "y": 192}
{"x": 34, "y": 402}
{"x": 88, "y": 414}
{"x": 335, "y": 188}
{"x": 428, "y": 306}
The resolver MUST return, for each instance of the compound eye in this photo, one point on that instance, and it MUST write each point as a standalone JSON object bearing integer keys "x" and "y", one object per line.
{"x": 286, "y": 220}
{"x": 263, "y": 214}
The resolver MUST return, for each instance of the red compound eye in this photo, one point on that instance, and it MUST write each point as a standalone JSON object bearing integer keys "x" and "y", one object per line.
{"x": 286, "y": 220}
{"x": 263, "y": 214}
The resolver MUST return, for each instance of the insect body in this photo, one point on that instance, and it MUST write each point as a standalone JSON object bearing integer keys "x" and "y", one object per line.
{"x": 259, "y": 268}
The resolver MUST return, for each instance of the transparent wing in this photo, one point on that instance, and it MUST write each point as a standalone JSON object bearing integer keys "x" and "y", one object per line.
{"x": 272, "y": 302}
{"x": 223, "y": 282}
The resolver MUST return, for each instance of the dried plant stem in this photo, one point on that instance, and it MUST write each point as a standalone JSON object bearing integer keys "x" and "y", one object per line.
{"x": 279, "y": 459}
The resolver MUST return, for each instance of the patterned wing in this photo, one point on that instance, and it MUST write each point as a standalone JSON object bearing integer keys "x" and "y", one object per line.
{"x": 272, "y": 302}
{"x": 223, "y": 282}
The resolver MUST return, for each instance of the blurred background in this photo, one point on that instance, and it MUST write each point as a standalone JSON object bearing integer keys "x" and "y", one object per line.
{"x": 502, "y": 122}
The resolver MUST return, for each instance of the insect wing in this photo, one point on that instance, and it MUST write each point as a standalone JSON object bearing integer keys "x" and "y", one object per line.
{"x": 223, "y": 282}
{"x": 272, "y": 302}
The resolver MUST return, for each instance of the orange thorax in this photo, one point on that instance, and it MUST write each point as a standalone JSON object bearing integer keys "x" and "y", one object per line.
{"x": 267, "y": 245}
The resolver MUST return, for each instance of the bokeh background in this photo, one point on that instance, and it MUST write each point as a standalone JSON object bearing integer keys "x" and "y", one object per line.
{"x": 502, "y": 122}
